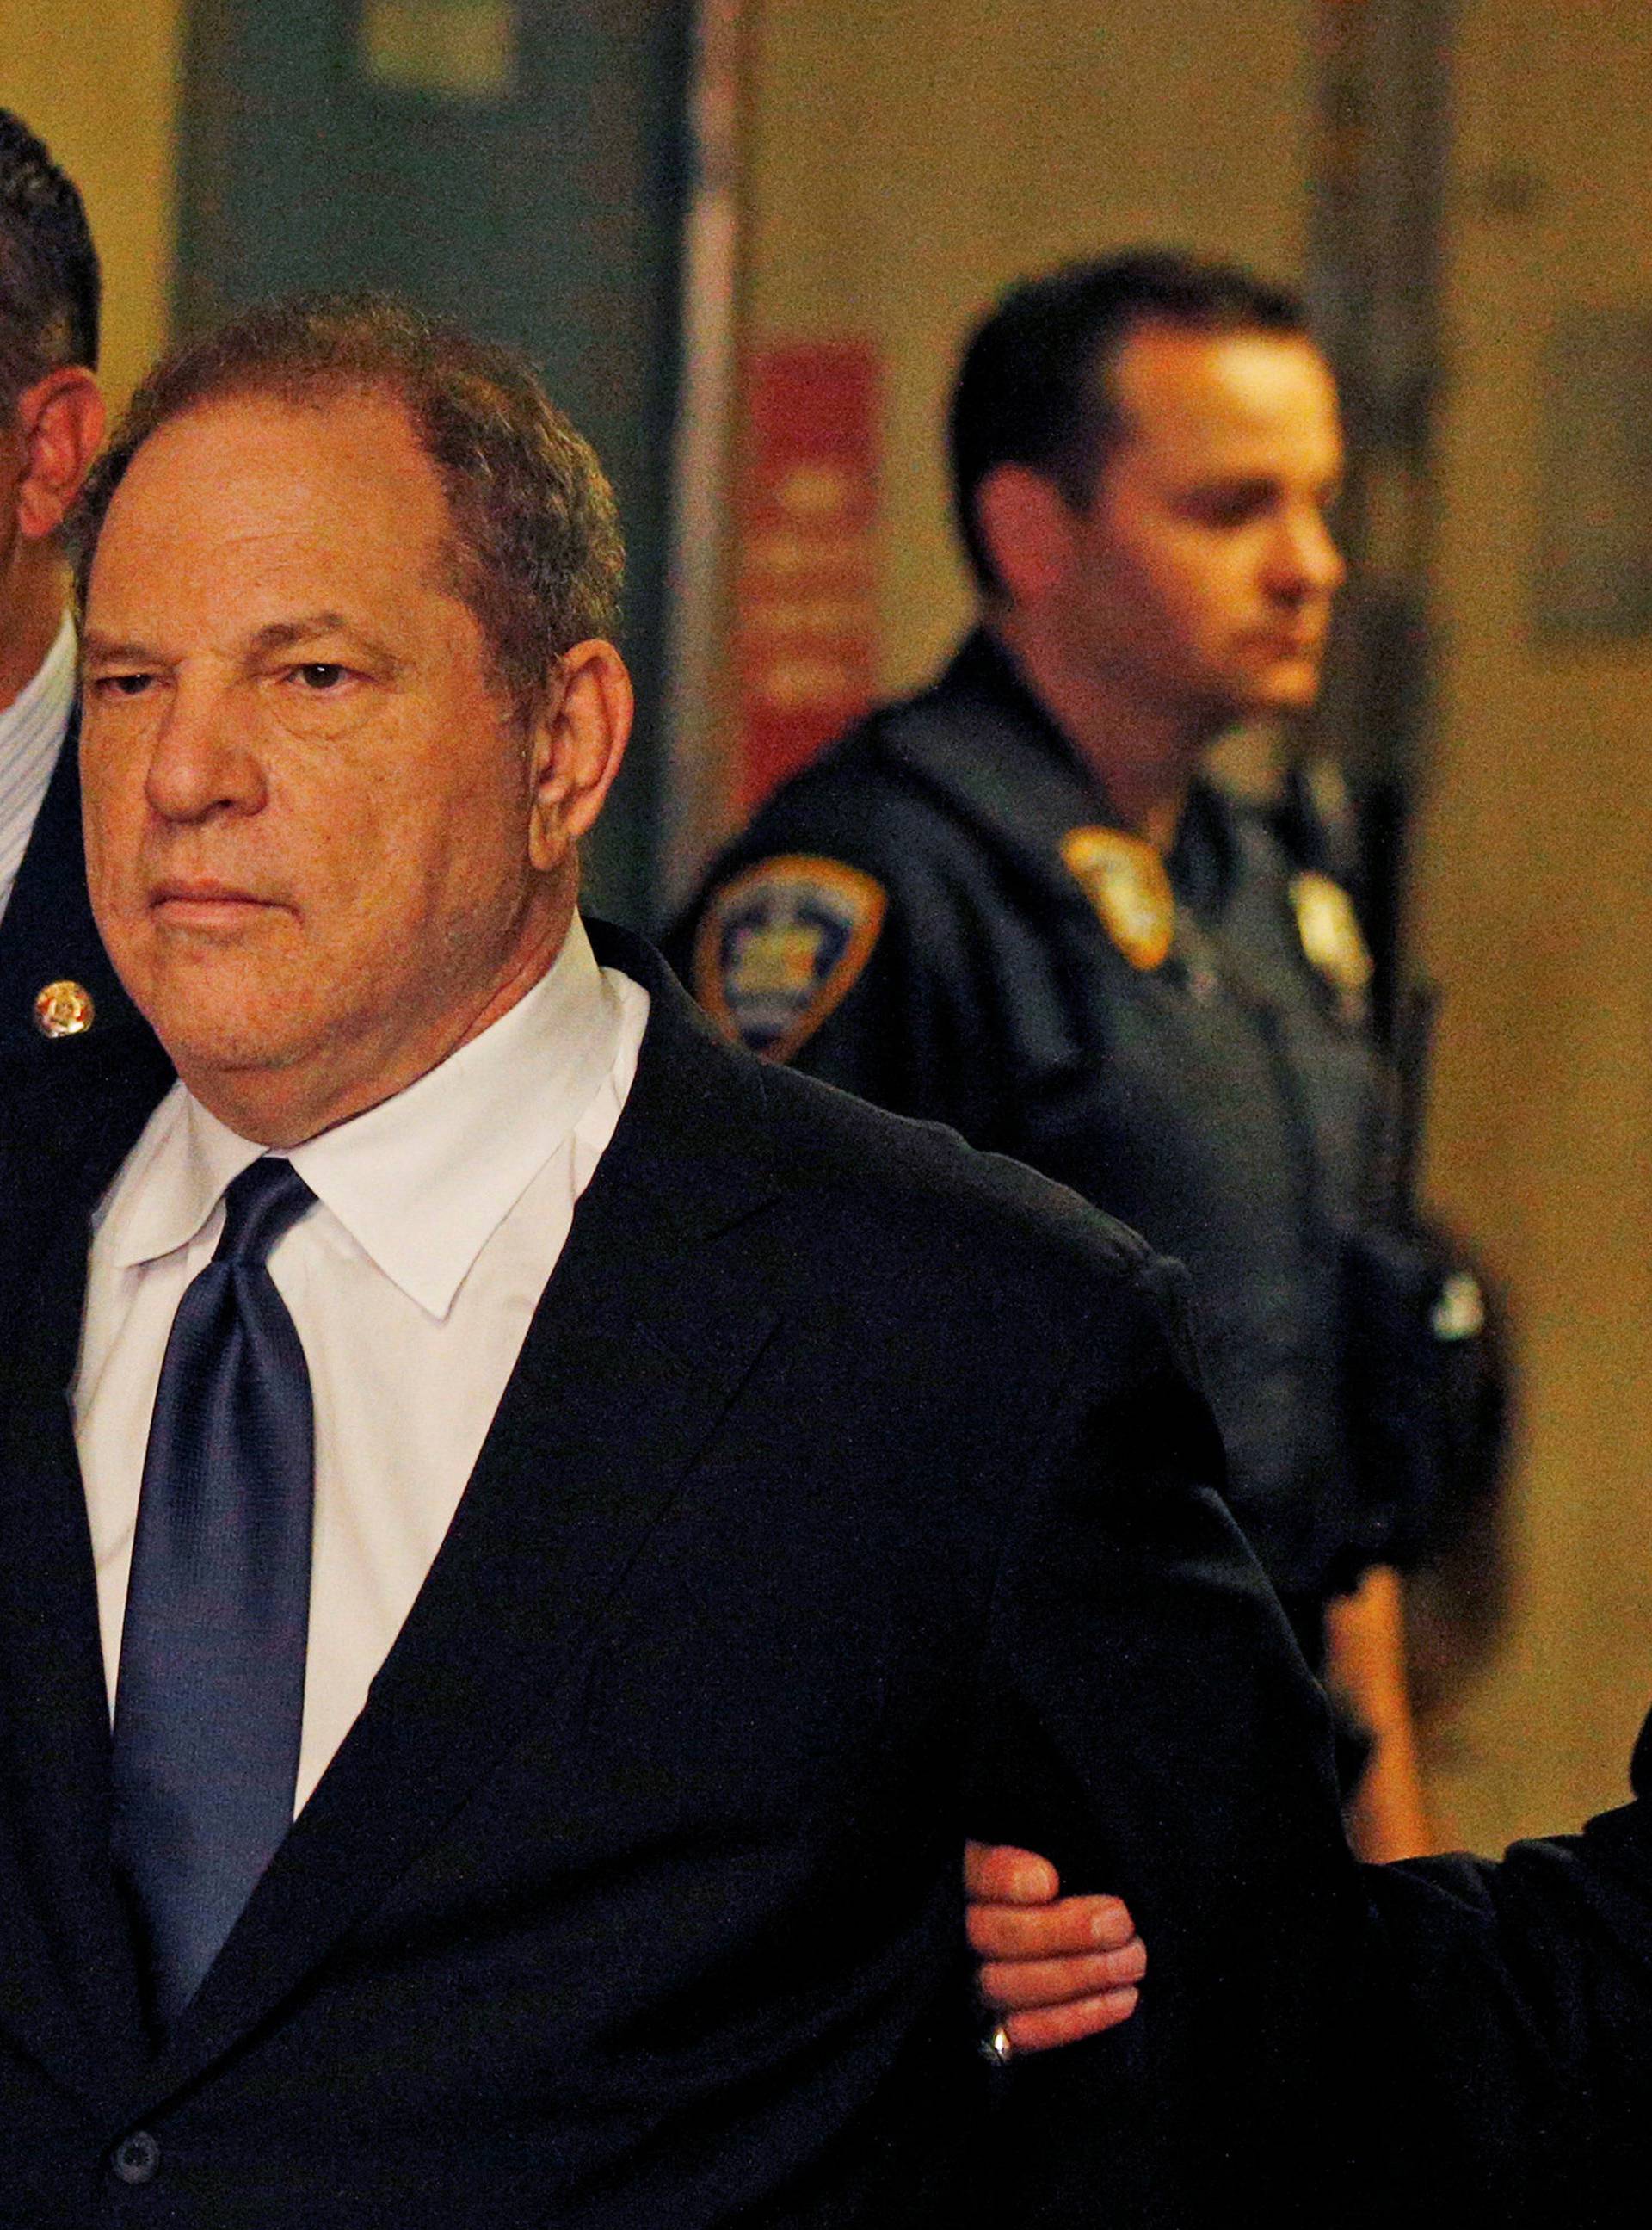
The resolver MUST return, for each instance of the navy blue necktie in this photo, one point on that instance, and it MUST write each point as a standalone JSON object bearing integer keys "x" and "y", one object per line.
{"x": 209, "y": 1700}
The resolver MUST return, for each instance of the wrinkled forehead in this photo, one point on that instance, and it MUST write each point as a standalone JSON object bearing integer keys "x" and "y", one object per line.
{"x": 245, "y": 483}
{"x": 361, "y": 447}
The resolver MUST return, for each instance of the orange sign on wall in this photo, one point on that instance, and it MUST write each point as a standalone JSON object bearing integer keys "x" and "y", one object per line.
{"x": 804, "y": 618}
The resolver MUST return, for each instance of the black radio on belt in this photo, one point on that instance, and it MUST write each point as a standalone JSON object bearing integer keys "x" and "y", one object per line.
{"x": 1425, "y": 1398}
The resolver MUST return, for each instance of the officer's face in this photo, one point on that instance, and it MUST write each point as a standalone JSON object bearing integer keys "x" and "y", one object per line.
{"x": 310, "y": 812}
{"x": 1202, "y": 572}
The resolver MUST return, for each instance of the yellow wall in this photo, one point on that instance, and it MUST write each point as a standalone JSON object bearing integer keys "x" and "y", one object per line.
{"x": 97, "y": 79}
{"x": 1535, "y": 902}
{"x": 910, "y": 158}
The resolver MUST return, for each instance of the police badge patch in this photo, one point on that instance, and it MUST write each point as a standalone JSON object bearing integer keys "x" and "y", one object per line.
{"x": 779, "y": 945}
{"x": 1126, "y": 881}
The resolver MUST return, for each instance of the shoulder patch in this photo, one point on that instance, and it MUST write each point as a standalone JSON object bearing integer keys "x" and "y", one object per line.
{"x": 779, "y": 946}
{"x": 1127, "y": 882}
{"x": 1332, "y": 942}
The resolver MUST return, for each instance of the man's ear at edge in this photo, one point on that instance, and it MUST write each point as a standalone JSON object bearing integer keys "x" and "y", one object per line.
{"x": 1027, "y": 527}
{"x": 576, "y": 744}
{"x": 60, "y": 421}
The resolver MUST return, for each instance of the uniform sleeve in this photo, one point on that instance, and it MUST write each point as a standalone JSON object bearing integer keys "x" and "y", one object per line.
{"x": 840, "y": 944}
{"x": 1147, "y": 1720}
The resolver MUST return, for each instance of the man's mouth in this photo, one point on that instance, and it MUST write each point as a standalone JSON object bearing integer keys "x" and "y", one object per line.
{"x": 202, "y": 902}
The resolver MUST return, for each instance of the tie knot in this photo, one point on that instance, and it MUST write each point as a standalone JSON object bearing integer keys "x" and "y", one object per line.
{"x": 265, "y": 1201}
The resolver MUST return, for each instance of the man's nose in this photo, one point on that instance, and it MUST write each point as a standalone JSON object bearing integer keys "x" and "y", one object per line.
{"x": 200, "y": 760}
{"x": 1306, "y": 561}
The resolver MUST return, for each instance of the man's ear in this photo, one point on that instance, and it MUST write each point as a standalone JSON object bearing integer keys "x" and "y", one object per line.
{"x": 577, "y": 746}
{"x": 1028, "y": 528}
{"x": 60, "y": 421}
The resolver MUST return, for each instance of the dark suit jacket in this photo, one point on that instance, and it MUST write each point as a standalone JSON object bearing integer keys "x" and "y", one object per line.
{"x": 850, "y": 1492}
{"x": 1524, "y": 2025}
{"x": 47, "y": 936}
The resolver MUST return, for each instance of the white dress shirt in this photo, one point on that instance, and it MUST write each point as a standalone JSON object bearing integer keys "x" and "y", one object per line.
{"x": 32, "y": 729}
{"x": 441, "y": 1214}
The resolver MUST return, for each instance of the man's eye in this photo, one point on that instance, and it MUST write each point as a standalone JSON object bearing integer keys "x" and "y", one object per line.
{"x": 320, "y": 673}
{"x": 123, "y": 685}
{"x": 1230, "y": 510}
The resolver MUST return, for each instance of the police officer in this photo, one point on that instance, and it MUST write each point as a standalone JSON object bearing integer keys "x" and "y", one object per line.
{"x": 55, "y": 984}
{"x": 1016, "y": 903}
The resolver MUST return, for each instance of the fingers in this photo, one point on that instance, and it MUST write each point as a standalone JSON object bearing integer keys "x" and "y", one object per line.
{"x": 1001, "y": 1874}
{"x": 1056, "y": 1969}
{"x": 1016, "y": 1985}
{"x": 1049, "y": 1931}
{"x": 1069, "y": 2024}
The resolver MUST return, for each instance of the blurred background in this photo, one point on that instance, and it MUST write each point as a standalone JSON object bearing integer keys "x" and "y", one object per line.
{"x": 744, "y": 237}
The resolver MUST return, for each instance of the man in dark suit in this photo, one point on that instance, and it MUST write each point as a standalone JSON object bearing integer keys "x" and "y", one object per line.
{"x": 1523, "y": 1987}
{"x": 571, "y": 1527}
{"x": 55, "y": 984}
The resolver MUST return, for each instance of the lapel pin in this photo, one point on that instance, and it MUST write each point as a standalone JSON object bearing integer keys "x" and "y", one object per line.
{"x": 63, "y": 1009}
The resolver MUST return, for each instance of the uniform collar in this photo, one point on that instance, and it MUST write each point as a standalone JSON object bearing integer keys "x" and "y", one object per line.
{"x": 985, "y": 668}
{"x": 421, "y": 1181}
{"x": 32, "y": 728}
{"x": 44, "y": 702}
{"x": 1201, "y": 860}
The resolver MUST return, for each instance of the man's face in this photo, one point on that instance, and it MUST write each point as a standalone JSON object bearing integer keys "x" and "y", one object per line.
{"x": 1202, "y": 572}
{"x": 308, "y": 804}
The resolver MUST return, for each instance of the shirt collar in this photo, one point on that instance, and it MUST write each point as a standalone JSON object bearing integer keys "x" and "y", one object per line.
{"x": 422, "y": 1181}
{"x": 32, "y": 728}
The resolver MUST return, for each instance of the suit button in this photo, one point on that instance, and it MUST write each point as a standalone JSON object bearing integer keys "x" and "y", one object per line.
{"x": 136, "y": 2158}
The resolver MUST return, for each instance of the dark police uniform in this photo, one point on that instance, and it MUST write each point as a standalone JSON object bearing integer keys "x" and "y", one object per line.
{"x": 65, "y": 1016}
{"x": 940, "y": 916}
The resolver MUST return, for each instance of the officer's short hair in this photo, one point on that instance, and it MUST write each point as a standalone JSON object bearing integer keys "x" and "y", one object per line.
{"x": 49, "y": 284}
{"x": 1034, "y": 388}
{"x": 536, "y": 551}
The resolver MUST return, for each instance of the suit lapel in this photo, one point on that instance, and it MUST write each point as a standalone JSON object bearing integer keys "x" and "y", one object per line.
{"x": 645, "y": 1331}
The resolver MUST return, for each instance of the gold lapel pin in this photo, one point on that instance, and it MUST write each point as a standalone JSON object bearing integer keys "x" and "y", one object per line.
{"x": 63, "y": 1009}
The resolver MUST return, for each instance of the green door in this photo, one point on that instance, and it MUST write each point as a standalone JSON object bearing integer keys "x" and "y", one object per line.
{"x": 517, "y": 164}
